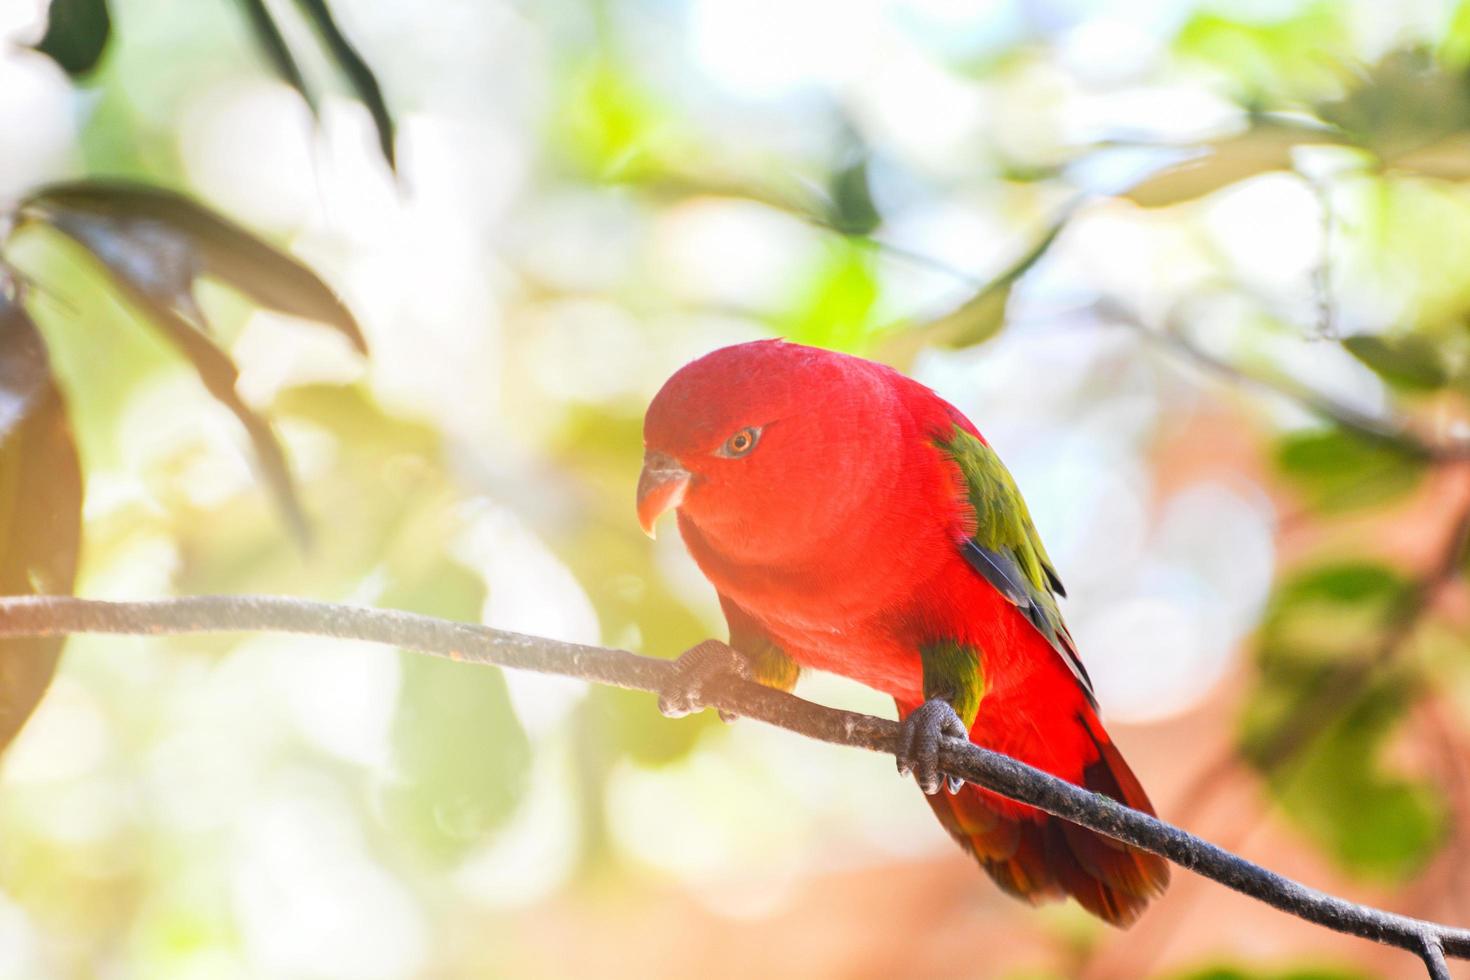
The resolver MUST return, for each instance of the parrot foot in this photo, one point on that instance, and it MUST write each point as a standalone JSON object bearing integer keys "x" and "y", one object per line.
{"x": 697, "y": 668}
{"x": 918, "y": 744}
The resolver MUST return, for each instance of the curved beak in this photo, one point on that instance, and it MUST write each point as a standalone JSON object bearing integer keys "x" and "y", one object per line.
{"x": 661, "y": 487}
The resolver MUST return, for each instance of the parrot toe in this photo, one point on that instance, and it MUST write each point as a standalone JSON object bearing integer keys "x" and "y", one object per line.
{"x": 695, "y": 669}
{"x": 917, "y": 752}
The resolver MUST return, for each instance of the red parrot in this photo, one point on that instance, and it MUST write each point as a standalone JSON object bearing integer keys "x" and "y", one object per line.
{"x": 853, "y": 521}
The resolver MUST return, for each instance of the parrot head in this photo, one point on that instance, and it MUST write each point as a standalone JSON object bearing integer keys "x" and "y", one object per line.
{"x": 757, "y": 445}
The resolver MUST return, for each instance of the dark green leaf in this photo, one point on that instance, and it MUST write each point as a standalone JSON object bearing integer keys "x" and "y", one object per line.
{"x": 1338, "y": 470}
{"x": 161, "y": 241}
{"x": 156, "y": 244}
{"x": 356, "y": 70}
{"x": 40, "y": 506}
{"x": 852, "y": 211}
{"x": 1409, "y": 362}
{"x": 268, "y": 36}
{"x": 76, "y": 34}
{"x": 219, "y": 375}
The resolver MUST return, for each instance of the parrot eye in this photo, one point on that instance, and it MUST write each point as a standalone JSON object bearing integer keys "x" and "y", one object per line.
{"x": 740, "y": 443}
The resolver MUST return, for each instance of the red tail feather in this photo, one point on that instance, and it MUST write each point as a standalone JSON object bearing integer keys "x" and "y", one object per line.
{"x": 1037, "y": 857}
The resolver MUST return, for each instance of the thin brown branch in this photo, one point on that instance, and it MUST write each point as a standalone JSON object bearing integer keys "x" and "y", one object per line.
{"x": 58, "y": 615}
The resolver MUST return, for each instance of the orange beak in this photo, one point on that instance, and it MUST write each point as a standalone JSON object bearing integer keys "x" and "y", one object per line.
{"x": 661, "y": 487}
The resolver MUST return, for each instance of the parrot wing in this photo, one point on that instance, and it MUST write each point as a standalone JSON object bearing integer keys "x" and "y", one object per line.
{"x": 1004, "y": 547}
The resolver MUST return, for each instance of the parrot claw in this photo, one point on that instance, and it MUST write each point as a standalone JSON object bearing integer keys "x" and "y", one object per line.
{"x": 917, "y": 752}
{"x": 696, "y": 669}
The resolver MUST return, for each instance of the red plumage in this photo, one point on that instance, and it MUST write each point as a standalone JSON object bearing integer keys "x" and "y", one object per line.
{"x": 839, "y": 536}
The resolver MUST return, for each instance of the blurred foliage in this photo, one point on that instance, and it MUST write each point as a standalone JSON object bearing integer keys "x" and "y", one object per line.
{"x": 459, "y": 753}
{"x": 154, "y": 244}
{"x": 40, "y": 506}
{"x": 1268, "y": 57}
{"x": 78, "y": 31}
{"x": 1335, "y": 469}
{"x": 636, "y": 607}
{"x": 76, "y": 34}
{"x": 1408, "y": 363}
{"x": 1300, "y": 973}
{"x": 1336, "y": 785}
{"x": 120, "y": 276}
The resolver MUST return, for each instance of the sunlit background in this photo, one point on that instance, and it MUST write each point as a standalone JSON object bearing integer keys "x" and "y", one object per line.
{"x": 589, "y": 195}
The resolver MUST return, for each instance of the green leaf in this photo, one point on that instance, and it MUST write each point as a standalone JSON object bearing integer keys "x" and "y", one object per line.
{"x": 1333, "y": 606}
{"x": 343, "y": 54}
{"x": 978, "y": 318}
{"x": 219, "y": 376}
{"x": 1405, "y": 101}
{"x": 1320, "y": 620}
{"x": 1262, "y": 149}
{"x": 359, "y": 76}
{"x": 1374, "y": 823}
{"x": 156, "y": 244}
{"x": 835, "y": 309}
{"x": 161, "y": 241}
{"x": 852, "y": 210}
{"x": 1250, "y": 973}
{"x": 1323, "y": 624}
{"x": 1409, "y": 362}
{"x": 277, "y": 52}
{"x": 1272, "y": 56}
{"x": 76, "y": 34}
{"x": 40, "y": 506}
{"x": 608, "y": 127}
{"x": 1454, "y": 49}
{"x": 1337, "y": 470}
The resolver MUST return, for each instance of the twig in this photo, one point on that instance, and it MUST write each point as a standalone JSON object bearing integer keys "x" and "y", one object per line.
{"x": 59, "y": 615}
{"x": 1390, "y": 432}
{"x": 1322, "y": 271}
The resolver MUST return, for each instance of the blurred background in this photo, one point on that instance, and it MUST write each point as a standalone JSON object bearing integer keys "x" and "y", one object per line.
{"x": 1200, "y": 271}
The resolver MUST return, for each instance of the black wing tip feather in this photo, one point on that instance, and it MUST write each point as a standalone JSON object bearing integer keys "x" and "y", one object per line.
{"x": 998, "y": 571}
{"x": 1005, "y": 577}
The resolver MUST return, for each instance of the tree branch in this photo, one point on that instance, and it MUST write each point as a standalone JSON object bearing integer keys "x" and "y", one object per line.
{"x": 1389, "y": 431}
{"x": 60, "y": 615}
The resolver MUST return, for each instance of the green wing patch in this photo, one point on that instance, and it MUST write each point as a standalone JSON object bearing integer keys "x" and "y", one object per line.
{"x": 769, "y": 664}
{"x": 1005, "y": 548}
